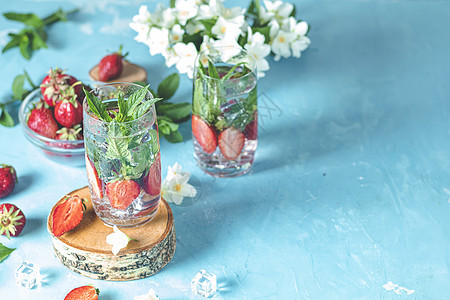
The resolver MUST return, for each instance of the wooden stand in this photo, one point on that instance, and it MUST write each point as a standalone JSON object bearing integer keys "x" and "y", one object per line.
{"x": 85, "y": 251}
{"x": 130, "y": 73}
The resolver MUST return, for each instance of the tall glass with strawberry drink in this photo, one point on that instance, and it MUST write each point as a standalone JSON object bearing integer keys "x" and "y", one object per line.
{"x": 224, "y": 111}
{"x": 123, "y": 160}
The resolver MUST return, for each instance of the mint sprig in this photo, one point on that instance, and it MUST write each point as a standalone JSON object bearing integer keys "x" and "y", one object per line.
{"x": 19, "y": 93}
{"x": 169, "y": 114}
{"x": 33, "y": 36}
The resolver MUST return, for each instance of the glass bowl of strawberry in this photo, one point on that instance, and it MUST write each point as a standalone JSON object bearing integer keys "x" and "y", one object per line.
{"x": 52, "y": 117}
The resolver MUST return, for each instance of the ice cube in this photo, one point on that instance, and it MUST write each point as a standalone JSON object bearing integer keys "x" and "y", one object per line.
{"x": 204, "y": 284}
{"x": 28, "y": 275}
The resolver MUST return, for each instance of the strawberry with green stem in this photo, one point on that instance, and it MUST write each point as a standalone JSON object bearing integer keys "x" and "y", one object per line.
{"x": 69, "y": 111}
{"x": 42, "y": 121}
{"x": 56, "y": 84}
{"x": 110, "y": 66}
{"x": 12, "y": 220}
{"x": 86, "y": 292}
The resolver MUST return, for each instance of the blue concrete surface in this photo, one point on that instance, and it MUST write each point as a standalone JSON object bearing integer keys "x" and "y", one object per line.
{"x": 350, "y": 188}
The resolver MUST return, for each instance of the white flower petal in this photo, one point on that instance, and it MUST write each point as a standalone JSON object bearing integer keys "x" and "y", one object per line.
{"x": 151, "y": 295}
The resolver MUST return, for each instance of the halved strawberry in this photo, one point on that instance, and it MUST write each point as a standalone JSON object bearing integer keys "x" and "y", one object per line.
{"x": 231, "y": 142}
{"x": 12, "y": 220}
{"x": 122, "y": 193}
{"x": 67, "y": 215}
{"x": 86, "y": 292}
{"x": 152, "y": 181}
{"x": 94, "y": 180}
{"x": 204, "y": 134}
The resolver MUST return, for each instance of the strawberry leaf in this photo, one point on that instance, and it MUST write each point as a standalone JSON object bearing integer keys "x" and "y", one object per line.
{"x": 5, "y": 252}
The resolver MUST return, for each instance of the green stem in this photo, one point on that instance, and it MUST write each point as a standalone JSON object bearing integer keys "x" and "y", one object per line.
{"x": 29, "y": 80}
{"x": 55, "y": 17}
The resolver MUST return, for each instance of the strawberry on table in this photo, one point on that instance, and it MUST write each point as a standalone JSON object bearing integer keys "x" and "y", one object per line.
{"x": 42, "y": 121}
{"x": 8, "y": 179}
{"x": 12, "y": 220}
{"x": 204, "y": 134}
{"x": 110, "y": 67}
{"x": 86, "y": 292}
{"x": 231, "y": 142}
{"x": 122, "y": 193}
{"x": 152, "y": 181}
{"x": 67, "y": 215}
{"x": 54, "y": 85}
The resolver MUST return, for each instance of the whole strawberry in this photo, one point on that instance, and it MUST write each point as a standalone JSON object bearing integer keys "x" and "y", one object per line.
{"x": 69, "y": 113}
{"x": 12, "y": 220}
{"x": 55, "y": 84}
{"x": 41, "y": 121}
{"x": 8, "y": 179}
{"x": 110, "y": 67}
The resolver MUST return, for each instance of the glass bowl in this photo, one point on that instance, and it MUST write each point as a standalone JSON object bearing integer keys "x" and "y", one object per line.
{"x": 70, "y": 153}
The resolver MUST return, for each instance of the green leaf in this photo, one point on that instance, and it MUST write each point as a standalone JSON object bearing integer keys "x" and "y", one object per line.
{"x": 178, "y": 112}
{"x": 117, "y": 144}
{"x": 168, "y": 86}
{"x": 17, "y": 87}
{"x": 230, "y": 73}
{"x": 135, "y": 99}
{"x": 28, "y": 19}
{"x": 265, "y": 31}
{"x": 14, "y": 42}
{"x": 5, "y": 252}
{"x": 123, "y": 108}
{"x": 6, "y": 120}
{"x": 212, "y": 70}
{"x": 97, "y": 107}
{"x": 24, "y": 46}
{"x": 208, "y": 23}
{"x": 37, "y": 41}
{"x": 172, "y": 3}
{"x": 174, "y": 137}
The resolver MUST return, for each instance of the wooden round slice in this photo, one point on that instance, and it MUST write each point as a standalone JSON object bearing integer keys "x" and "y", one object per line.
{"x": 85, "y": 251}
{"x": 130, "y": 73}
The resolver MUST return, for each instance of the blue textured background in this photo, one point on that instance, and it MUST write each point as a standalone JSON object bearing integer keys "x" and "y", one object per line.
{"x": 351, "y": 184}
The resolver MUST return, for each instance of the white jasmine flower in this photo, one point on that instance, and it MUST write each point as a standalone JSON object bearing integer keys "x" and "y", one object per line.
{"x": 151, "y": 295}
{"x": 277, "y": 10}
{"x": 142, "y": 24}
{"x": 144, "y": 16}
{"x": 228, "y": 47}
{"x": 118, "y": 240}
{"x": 193, "y": 27}
{"x": 171, "y": 57}
{"x": 185, "y": 9}
{"x": 158, "y": 40}
{"x": 176, "y": 34}
{"x": 175, "y": 186}
{"x": 187, "y": 54}
{"x": 301, "y": 41}
{"x": 258, "y": 50}
{"x": 281, "y": 44}
{"x": 224, "y": 28}
{"x": 163, "y": 17}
